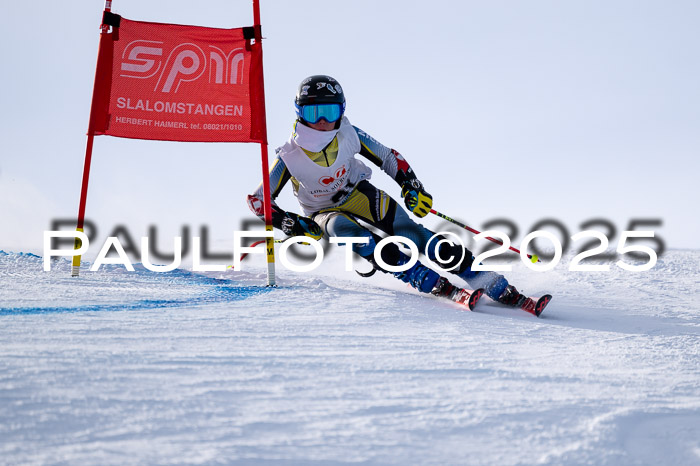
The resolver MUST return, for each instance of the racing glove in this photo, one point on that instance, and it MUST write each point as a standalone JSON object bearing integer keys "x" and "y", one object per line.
{"x": 416, "y": 198}
{"x": 296, "y": 225}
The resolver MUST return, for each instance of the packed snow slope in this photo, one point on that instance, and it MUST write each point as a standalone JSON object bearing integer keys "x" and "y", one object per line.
{"x": 116, "y": 367}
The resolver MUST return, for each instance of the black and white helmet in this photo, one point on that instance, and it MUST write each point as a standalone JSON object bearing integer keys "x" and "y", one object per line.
{"x": 323, "y": 95}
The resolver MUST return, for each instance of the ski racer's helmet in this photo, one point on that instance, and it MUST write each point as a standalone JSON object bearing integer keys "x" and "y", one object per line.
{"x": 320, "y": 97}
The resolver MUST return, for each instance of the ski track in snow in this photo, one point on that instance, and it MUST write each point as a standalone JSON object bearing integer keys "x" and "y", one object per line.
{"x": 206, "y": 368}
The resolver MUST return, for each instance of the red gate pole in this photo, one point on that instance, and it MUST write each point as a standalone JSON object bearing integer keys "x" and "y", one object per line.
{"x": 75, "y": 269}
{"x": 269, "y": 241}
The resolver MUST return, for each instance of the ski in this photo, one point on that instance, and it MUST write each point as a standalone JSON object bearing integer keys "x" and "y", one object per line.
{"x": 536, "y": 307}
{"x": 467, "y": 298}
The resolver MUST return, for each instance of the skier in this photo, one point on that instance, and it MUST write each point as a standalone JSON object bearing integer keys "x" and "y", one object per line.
{"x": 335, "y": 194}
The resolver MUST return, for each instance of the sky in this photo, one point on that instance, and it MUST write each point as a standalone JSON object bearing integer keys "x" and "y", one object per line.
{"x": 525, "y": 111}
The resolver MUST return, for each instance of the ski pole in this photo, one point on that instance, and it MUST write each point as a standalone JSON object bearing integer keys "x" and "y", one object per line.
{"x": 468, "y": 228}
{"x": 245, "y": 254}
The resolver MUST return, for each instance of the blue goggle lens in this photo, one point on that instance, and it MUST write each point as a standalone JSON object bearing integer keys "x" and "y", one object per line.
{"x": 313, "y": 113}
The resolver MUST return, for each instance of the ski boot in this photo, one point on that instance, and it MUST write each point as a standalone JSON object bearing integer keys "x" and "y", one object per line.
{"x": 511, "y": 297}
{"x": 443, "y": 288}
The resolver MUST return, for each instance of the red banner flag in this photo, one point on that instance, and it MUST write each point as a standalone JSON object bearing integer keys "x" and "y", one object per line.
{"x": 179, "y": 83}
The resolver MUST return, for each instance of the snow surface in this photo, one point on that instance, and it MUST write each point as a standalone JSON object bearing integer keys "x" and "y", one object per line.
{"x": 329, "y": 368}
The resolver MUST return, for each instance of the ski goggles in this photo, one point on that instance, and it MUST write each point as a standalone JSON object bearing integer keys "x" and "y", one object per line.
{"x": 313, "y": 113}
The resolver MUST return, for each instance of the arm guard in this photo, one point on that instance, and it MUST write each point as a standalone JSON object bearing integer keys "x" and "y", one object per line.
{"x": 389, "y": 160}
{"x": 279, "y": 175}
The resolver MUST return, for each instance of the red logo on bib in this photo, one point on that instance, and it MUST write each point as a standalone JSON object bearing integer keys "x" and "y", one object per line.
{"x": 326, "y": 180}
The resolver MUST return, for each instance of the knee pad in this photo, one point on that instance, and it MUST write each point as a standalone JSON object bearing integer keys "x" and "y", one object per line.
{"x": 391, "y": 254}
{"x": 418, "y": 276}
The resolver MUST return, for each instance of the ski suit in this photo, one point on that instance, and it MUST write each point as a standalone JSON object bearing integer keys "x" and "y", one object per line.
{"x": 333, "y": 189}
